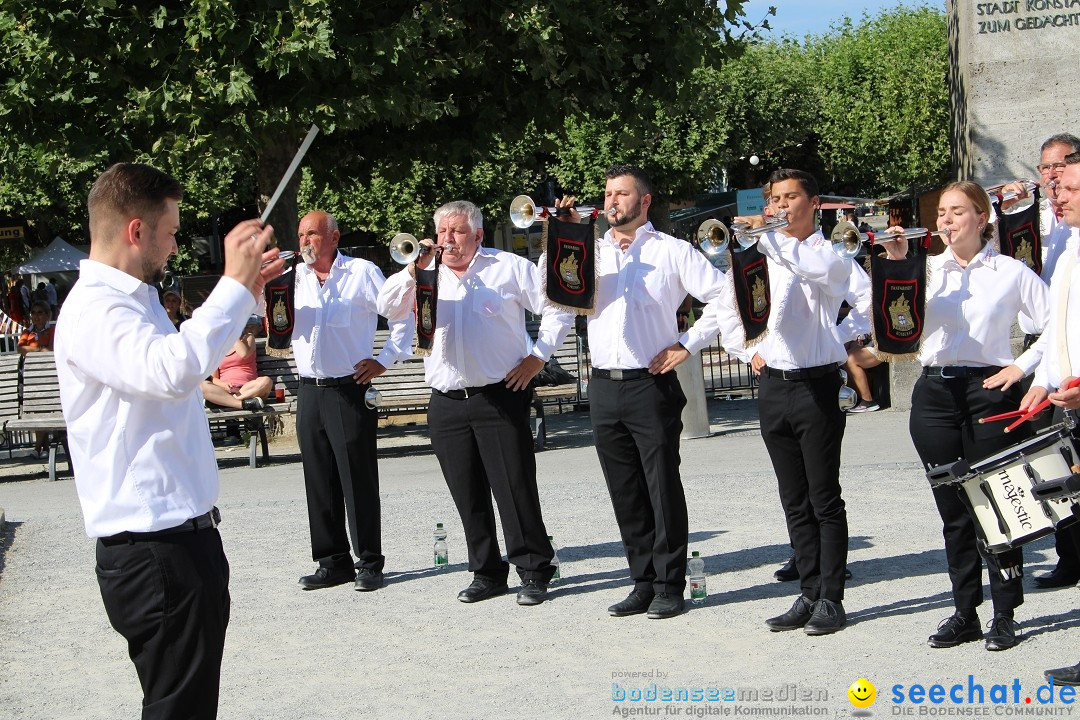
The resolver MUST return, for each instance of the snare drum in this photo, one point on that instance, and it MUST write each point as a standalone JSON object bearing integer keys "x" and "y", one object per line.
{"x": 1007, "y": 512}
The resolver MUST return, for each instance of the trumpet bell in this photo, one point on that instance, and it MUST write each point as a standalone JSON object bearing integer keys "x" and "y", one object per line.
{"x": 523, "y": 211}
{"x": 713, "y": 240}
{"x": 847, "y": 398}
{"x": 404, "y": 248}
{"x": 846, "y": 239}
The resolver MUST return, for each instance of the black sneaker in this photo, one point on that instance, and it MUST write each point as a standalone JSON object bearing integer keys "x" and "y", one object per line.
{"x": 864, "y": 406}
{"x": 254, "y": 404}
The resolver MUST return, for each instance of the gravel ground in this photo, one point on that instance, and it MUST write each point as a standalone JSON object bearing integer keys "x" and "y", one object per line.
{"x": 411, "y": 650}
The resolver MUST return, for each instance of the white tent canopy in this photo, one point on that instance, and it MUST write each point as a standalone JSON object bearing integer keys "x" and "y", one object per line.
{"x": 58, "y": 257}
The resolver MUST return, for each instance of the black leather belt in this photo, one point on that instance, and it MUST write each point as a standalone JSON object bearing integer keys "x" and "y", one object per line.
{"x": 635, "y": 374}
{"x": 203, "y": 522}
{"x": 328, "y": 382}
{"x": 952, "y": 372}
{"x": 466, "y": 393}
{"x": 810, "y": 373}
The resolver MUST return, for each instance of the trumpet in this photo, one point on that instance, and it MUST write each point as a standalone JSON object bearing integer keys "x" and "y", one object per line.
{"x": 524, "y": 212}
{"x": 747, "y": 236}
{"x": 405, "y": 248}
{"x": 994, "y": 191}
{"x": 846, "y": 238}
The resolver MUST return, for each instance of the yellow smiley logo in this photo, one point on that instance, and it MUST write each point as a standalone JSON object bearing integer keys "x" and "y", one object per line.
{"x": 862, "y": 693}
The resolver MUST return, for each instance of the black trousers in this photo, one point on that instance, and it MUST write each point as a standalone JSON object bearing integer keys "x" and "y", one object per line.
{"x": 336, "y": 433}
{"x": 485, "y": 447}
{"x": 803, "y": 429}
{"x": 169, "y": 598}
{"x": 636, "y": 426}
{"x": 944, "y": 427}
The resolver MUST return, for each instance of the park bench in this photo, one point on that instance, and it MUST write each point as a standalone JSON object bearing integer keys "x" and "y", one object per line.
{"x": 39, "y": 405}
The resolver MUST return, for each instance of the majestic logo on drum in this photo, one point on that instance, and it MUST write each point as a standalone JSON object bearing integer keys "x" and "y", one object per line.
{"x": 1015, "y": 495}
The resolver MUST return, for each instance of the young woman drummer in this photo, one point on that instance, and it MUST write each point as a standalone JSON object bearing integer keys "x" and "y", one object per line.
{"x": 973, "y": 294}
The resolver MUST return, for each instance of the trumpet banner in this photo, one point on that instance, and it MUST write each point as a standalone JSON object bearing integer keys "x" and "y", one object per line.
{"x": 280, "y": 314}
{"x": 753, "y": 298}
{"x": 1019, "y": 235}
{"x": 899, "y": 302}
{"x": 570, "y": 268}
{"x": 426, "y": 310}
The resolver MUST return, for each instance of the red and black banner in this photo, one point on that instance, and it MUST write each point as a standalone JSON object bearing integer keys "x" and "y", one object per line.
{"x": 571, "y": 264}
{"x": 750, "y": 273}
{"x": 1019, "y": 235}
{"x": 427, "y": 303}
{"x": 280, "y": 315}
{"x": 899, "y": 303}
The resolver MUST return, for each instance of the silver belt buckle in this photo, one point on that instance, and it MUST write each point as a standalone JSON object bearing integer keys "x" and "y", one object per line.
{"x": 615, "y": 374}
{"x": 465, "y": 390}
{"x": 944, "y": 376}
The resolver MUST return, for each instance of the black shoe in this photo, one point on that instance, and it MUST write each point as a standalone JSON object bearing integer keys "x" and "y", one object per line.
{"x": 482, "y": 588}
{"x": 799, "y": 614}
{"x": 1056, "y": 578}
{"x": 325, "y": 577}
{"x": 368, "y": 580}
{"x": 1063, "y": 676}
{"x": 635, "y": 603}
{"x": 788, "y": 572}
{"x": 828, "y": 617}
{"x": 665, "y": 605}
{"x": 954, "y": 630}
{"x": 532, "y": 592}
{"x": 254, "y": 404}
{"x": 1002, "y": 633}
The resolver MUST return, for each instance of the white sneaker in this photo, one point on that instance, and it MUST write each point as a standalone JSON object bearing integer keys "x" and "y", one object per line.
{"x": 864, "y": 406}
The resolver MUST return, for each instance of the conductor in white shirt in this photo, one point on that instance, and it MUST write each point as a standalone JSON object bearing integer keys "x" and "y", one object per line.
{"x": 144, "y": 465}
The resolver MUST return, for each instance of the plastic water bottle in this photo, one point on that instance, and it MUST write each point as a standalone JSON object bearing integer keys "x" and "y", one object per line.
{"x": 555, "y": 560}
{"x": 698, "y": 591}
{"x": 442, "y": 552}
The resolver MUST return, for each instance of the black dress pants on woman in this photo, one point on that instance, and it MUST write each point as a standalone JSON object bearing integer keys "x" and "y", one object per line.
{"x": 944, "y": 427}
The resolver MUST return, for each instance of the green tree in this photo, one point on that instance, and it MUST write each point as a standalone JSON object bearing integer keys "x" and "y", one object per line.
{"x": 882, "y": 92}
{"x": 390, "y": 84}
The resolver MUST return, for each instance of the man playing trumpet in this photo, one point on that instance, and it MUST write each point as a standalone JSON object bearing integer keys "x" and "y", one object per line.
{"x": 479, "y": 367}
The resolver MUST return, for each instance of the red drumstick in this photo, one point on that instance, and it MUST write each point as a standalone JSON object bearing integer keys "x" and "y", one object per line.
{"x": 1026, "y": 415}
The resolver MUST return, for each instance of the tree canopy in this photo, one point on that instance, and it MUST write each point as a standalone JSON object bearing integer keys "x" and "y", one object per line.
{"x": 220, "y": 92}
{"x": 424, "y": 102}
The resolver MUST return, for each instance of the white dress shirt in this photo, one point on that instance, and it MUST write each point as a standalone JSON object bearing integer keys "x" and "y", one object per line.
{"x": 129, "y": 387}
{"x": 638, "y": 293}
{"x": 859, "y": 297}
{"x": 480, "y": 331}
{"x": 1050, "y": 374}
{"x": 807, "y": 283}
{"x": 335, "y": 322}
{"x": 970, "y": 311}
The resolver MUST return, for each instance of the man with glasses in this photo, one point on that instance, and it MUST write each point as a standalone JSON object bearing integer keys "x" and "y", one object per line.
{"x": 1057, "y": 235}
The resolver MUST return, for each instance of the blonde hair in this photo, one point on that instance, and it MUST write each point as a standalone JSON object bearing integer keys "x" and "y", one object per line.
{"x": 979, "y": 199}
